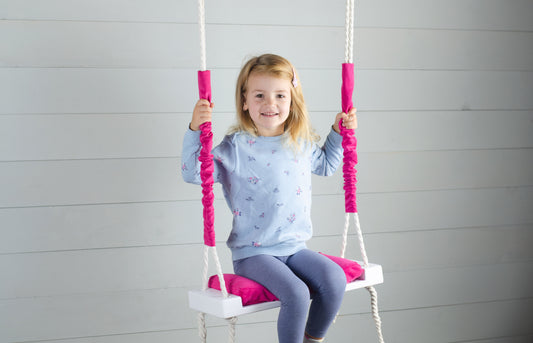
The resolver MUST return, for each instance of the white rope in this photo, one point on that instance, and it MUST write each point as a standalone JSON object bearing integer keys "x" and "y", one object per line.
{"x": 219, "y": 272}
{"x": 206, "y": 267}
{"x": 375, "y": 311}
{"x": 201, "y": 24}
{"x": 232, "y": 321}
{"x": 360, "y": 238}
{"x": 345, "y": 234}
{"x": 371, "y": 289}
{"x": 348, "y": 58}
{"x": 202, "y": 330}
{"x": 349, "y": 24}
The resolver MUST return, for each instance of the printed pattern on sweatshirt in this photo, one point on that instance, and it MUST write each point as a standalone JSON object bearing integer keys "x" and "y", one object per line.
{"x": 267, "y": 187}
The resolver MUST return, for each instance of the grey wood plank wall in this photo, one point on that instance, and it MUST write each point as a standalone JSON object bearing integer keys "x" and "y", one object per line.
{"x": 101, "y": 239}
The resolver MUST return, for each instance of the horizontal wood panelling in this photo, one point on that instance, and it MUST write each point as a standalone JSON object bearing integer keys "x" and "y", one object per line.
{"x": 101, "y": 238}
{"x": 95, "y": 315}
{"x": 133, "y": 180}
{"x": 438, "y": 287}
{"x": 106, "y": 45}
{"x": 438, "y": 248}
{"x": 509, "y": 339}
{"x": 454, "y": 323}
{"x": 166, "y": 309}
{"x": 169, "y": 90}
{"x": 97, "y": 90}
{"x": 123, "y": 269}
{"x": 445, "y": 209}
{"x": 161, "y": 223}
{"x": 71, "y": 136}
{"x": 514, "y": 15}
{"x": 442, "y": 170}
{"x": 143, "y": 45}
{"x": 454, "y": 14}
{"x": 361, "y": 325}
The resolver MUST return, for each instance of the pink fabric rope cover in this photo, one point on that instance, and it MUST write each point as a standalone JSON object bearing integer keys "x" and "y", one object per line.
{"x": 207, "y": 164}
{"x": 349, "y": 142}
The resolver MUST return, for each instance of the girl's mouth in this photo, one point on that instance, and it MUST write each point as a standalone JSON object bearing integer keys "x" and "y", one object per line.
{"x": 269, "y": 114}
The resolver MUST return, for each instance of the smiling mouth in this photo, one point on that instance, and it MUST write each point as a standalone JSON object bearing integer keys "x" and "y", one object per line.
{"x": 268, "y": 114}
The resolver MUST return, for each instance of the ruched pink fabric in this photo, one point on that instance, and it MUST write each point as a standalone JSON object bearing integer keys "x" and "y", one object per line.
{"x": 204, "y": 84}
{"x": 349, "y": 142}
{"x": 207, "y": 164}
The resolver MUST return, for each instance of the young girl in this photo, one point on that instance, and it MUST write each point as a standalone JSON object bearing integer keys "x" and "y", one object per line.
{"x": 264, "y": 165}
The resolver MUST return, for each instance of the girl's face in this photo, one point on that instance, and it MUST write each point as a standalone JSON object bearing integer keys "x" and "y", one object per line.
{"x": 268, "y": 101}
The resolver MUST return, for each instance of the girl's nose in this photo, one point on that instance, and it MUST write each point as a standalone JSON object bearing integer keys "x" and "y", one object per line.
{"x": 271, "y": 100}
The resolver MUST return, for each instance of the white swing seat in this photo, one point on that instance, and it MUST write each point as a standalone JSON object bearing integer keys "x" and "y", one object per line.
{"x": 212, "y": 301}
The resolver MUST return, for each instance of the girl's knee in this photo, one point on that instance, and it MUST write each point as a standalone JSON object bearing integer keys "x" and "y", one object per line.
{"x": 296, "y": 295}
{"x": 336, "y": 281}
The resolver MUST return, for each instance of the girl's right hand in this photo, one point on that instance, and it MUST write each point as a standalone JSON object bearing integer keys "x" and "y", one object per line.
{"x": 349, "y": 120}
{"x": 201, "y": 114}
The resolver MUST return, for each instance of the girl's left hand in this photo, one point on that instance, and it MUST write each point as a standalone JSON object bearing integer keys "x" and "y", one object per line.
{"x": 349, "y": 120}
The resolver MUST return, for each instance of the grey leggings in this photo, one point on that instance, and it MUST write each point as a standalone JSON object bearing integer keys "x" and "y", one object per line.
{"x": 295, "y": 280}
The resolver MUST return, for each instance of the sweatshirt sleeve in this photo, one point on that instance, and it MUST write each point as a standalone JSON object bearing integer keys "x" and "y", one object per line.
{"x": 223, "y": 155}
{"x": 190, "y": 165}
{"x": 326, "y": 159}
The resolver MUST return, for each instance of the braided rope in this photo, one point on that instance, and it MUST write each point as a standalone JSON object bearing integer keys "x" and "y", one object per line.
{"x": 360, "y": 238}
{"x": 206, "y": 267}
{"x": 345, "y": 234}
{"x": 207, "y": 179}
{"x": 349, "y": 23}
{"x": 348, "y": 55}
{"x": 202, "y": 330}
{"x": 219, "y": 272}
{"x": 201, "y": 24}
{"x": 232, "y": 321}
{"x": 375, "y": 312}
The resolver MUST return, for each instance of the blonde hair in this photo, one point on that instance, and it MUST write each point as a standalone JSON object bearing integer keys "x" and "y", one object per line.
{"x": 297, "y": 127}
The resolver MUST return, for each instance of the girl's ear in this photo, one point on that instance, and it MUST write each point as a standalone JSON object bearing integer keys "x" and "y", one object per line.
{"x": 244, "y": 105}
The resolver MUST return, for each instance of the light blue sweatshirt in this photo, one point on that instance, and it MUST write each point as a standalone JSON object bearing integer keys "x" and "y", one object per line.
{"x": 267, "y": 186}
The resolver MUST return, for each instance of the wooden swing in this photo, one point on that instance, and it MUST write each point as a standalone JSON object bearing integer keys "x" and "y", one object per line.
{"x": 223, "y": 304}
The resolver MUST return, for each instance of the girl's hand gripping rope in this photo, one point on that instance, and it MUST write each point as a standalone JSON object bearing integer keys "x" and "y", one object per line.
{"x": 349, "y": 120}
{"x": 202, "y": 113}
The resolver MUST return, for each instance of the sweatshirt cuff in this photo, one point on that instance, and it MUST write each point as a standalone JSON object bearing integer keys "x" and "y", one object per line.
{"x": 335, "y": 137}
{"x": 191, "y": 140}
{"x": 192, "y": 134}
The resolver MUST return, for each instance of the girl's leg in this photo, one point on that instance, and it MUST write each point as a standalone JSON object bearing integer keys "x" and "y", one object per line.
{"x": 327, "y": 282}
{"x": 292, "y": 292}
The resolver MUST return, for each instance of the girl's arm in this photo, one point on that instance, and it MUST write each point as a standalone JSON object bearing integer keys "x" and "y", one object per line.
{"x": 223, "y": 154}
{"x": 327, "y": 159}
{"x": 190, "y": 166}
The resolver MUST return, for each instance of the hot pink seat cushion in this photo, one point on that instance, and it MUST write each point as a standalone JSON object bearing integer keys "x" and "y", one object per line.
{"x": 351, "y": 268}
{"x": 252, "y": 292}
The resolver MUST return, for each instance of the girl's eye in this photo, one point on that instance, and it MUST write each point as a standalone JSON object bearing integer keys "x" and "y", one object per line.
{"x": 259, "y": 96}
{"x": 281, "y": 96}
